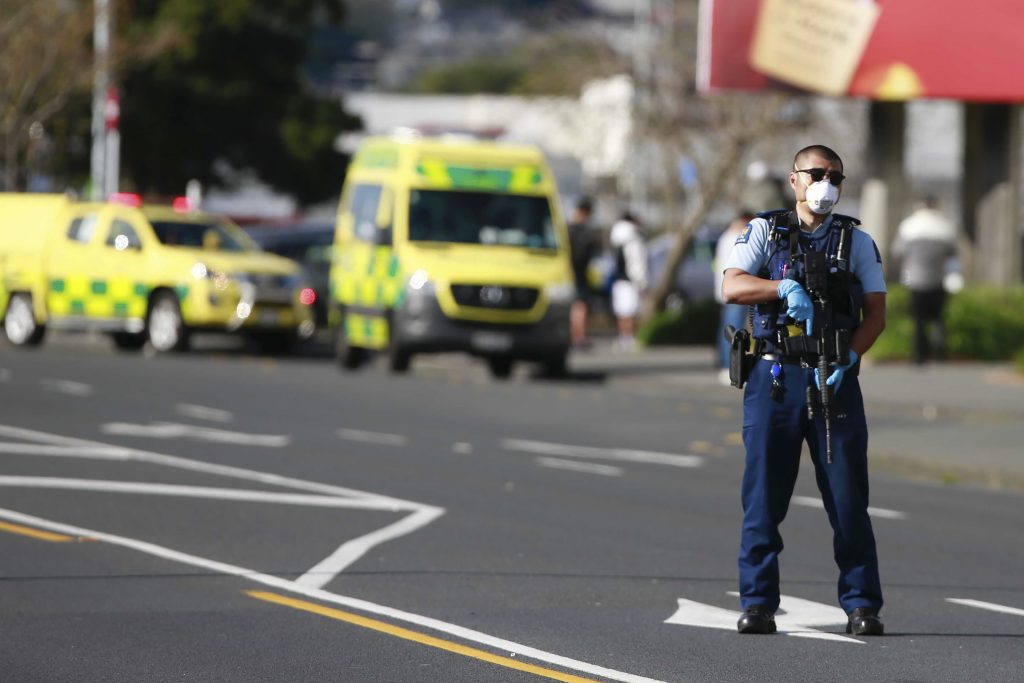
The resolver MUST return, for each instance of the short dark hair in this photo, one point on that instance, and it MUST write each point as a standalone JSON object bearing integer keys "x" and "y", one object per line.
{"x": 821, "y": 150}
{"x": 584, "y": 204}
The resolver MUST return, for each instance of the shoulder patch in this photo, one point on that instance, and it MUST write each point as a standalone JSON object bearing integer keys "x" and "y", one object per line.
{"x": 744, "y": 236}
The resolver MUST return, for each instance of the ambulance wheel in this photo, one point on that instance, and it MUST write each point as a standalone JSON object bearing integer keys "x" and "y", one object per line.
{"x": 129, "y": 341}
{"x": 164, "y": 325}
{"x": 399, "y": 357}
{"x": 349, "y": 357}
{"x": 500, "y": 367}
{"x": 20, "y": 326}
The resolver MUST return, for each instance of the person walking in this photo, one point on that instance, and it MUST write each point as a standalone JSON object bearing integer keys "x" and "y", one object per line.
{"x": 767, "y": 269}
{"x": 925, "y": 243}
{"x": 583, "y": 246}
{"x": 630, "y": 277}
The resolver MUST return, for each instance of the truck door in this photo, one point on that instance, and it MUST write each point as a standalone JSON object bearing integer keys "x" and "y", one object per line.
{"x": 68, "y": 264}
{"x": 123, "y": 259}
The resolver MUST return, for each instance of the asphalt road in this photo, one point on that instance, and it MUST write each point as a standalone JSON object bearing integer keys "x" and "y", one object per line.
{"x": 228, "y": 517}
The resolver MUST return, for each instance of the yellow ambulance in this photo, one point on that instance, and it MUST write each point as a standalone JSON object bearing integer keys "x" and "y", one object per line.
{"x": 450, "y": 245}
{"x": 141, "y": 273}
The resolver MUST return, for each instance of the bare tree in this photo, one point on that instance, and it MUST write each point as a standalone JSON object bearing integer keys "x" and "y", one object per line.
{"x": 45, "y": 59}
{"x": 714, "y": 132}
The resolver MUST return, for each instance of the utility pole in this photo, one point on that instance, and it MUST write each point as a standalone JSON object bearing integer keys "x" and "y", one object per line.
{"x": 103, "y": 162}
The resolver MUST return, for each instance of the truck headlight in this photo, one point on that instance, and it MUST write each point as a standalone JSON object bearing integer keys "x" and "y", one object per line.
{"x": 560, "y": 292}
{"x": 419, "y": 283}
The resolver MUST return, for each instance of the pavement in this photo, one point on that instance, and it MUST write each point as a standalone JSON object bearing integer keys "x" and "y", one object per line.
{"x": 952, "y": 422}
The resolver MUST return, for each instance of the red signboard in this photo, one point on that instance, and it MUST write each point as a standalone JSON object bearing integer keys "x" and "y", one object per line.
{"x": 916, "y": 48}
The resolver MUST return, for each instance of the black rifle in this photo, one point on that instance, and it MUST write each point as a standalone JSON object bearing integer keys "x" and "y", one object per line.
{"x": 827, "y": 345}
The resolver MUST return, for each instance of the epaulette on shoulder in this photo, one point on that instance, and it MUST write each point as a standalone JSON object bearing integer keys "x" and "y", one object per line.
{"x": 777, "y": 223}
{"x": 849, "y": 220}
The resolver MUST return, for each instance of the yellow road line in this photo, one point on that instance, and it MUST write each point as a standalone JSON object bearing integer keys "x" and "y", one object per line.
{"x": 35, "y": 533}
{"x": 416, "y": 637}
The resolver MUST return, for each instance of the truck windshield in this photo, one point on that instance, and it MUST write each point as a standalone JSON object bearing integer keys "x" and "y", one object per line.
{"x": 208, "y": 235}
{"x": 488, "y": 218}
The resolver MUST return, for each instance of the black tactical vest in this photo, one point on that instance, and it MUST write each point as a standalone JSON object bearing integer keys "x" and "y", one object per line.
{"x": 786, "y": 240}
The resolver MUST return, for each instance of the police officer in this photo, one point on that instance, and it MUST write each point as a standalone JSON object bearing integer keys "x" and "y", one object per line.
{"x": 761, "y": 272}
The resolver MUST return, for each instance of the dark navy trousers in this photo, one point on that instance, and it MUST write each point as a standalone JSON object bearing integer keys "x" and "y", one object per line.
{"x": 774, "y": 431}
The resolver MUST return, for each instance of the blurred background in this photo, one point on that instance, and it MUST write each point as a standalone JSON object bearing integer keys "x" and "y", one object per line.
{"x": 679, "y": 111}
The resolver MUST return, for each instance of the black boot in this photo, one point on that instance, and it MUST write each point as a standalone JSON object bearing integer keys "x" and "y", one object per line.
{"x": 864, "y": 621}
{"x": 756, "y": 619}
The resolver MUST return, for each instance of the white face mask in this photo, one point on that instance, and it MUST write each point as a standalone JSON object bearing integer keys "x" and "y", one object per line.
{"x": 822, "y": 196}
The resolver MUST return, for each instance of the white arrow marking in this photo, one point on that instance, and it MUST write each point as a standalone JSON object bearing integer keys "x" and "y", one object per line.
{"x": 372, "y": 437}
{"x": 794, "y": 618}
{"x": 991, "y": 606}
{"x": 172, "y": 430}
{"x": 204, "y": 413}
{"x": 587, "y": 467}
{"x": 622, "y": 454}
{"x": 883, "y": 513}
{"x": 66, "y": 386}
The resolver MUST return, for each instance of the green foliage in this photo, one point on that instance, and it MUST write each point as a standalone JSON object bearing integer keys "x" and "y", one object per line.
{"x": 229, "y": 88}
{"x": 467, "y": 78}
{"x": 1018, "y": 360}
{"x": 695, "y": 324}
{"x": 982, "y": 323}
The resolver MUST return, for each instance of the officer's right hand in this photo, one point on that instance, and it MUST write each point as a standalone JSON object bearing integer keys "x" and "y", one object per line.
{"x": 799, "y": 304}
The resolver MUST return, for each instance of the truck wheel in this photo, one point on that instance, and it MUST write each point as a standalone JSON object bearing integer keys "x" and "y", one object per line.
{"x": 164, "y": 326}
{"x": 20, "y": 326}
{"x": 129, "y": 341}
{"x": 349, "y": 357}
{"x": 500, "y": 367}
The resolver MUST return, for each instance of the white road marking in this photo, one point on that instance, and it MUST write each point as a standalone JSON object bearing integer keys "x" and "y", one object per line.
{"x": 991, "y": 606}
{"x": 462, "y": 448}
{"x": 173, "y": 430}
{"x": 214, "y": 492}
{"x": 795, "y": 617}
{"x": 882, "y": 513}
{"x": 573, "y": 466}
{"x": 113, "y": 453}
{"x": 203, "y": 413}
{"x": 349, "y": 551}
{"x": 499, "y": 644}
{"x": 332, "y": 565}
{"x": 590, "y": 452}
{"x": 66, "y": 386}
{"x": 372, "y": 437}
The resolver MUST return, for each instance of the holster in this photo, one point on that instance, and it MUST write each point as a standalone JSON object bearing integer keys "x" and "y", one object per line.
{"x": 741, "y": 360}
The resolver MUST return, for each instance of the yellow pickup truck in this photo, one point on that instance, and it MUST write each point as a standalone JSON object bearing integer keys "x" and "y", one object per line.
{"x": 141, "y": 273}
{"x": 451, "y": 245}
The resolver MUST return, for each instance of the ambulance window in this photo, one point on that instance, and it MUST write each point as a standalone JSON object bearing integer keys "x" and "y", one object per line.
{"x": 365, "y": 202}
{"x": 123, "y": 236}
{"x": 82, "y": 228}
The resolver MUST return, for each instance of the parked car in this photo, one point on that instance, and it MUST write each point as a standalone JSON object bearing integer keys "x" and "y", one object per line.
{"x": 307, "y": 243}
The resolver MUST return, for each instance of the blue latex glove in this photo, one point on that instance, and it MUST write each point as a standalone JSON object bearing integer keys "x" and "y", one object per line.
{"x": 799, "y": 304}
{"x": 836, "y": 378}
